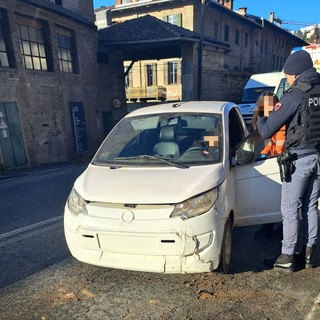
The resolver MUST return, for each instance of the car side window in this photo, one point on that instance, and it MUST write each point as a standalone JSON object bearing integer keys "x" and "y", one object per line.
{"x": 236, "y": 132}
{"x": 255, "y": 143}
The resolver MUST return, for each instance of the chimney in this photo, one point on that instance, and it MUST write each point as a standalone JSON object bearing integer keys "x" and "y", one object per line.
{"x": 227, "y": 3}
{"x": 271, "y": 17}
{"x": 242, "y": 10}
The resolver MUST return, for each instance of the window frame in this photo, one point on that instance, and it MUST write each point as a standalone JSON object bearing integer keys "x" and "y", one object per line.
{"x": 35, "y": 48}
{"x": 237, "y": 37}
{"x": 226, "y": 32}
{"x": 67, "y": 55}
{"x": 246, "y": 38}
{"x": 216, "y": 30}
{"x": 7, "y": 41}
{"x": 174, "y": 19}
{"x": 173, "y": 72}
{"x": 151, "y": 74}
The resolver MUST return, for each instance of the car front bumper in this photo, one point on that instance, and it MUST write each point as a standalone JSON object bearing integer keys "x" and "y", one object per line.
{"x": 145, "y": 239}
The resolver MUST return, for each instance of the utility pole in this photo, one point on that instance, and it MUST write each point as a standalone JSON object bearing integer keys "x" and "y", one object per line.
{"x": 200, "y": 51}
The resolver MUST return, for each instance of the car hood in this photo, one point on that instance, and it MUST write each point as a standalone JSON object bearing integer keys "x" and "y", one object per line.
{"x": 147, "y": 185}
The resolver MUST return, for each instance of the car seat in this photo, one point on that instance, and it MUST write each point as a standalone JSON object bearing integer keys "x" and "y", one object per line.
{"x": 167, "y": 144}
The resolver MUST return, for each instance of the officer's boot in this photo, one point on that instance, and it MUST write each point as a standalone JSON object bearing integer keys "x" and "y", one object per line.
{"x": 300, "y": 256}
{"x": 285, "y": 262}
{"x": 309, "y": 257}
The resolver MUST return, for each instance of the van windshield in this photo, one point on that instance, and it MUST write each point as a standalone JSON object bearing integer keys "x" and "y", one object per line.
{"x": 251, "y": 95}
{"x": 163, "y": 139}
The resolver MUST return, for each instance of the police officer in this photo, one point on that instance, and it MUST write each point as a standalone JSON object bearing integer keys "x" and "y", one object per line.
{"x": 299, "y": 111}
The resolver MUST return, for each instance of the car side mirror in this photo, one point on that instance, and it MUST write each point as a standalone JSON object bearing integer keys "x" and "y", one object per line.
{"x": 244, "y": 157}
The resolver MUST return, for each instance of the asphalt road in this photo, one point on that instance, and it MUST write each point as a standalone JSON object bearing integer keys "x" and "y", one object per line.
{"x": 31, "y": 220}
{"x": 72, "y": 290}
{"x": 41, "y": 281}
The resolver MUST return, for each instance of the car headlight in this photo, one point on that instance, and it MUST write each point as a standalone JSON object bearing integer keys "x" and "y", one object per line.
{"x": 196, "y": 206}
{"x": 76, "y": 203}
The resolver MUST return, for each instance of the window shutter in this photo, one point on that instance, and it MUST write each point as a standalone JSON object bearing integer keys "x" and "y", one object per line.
{"x": 179, "y": 20}
{"x": 155, "y": 75}
{"x": 165, "y": 72}
{"x": 179, "y": 72}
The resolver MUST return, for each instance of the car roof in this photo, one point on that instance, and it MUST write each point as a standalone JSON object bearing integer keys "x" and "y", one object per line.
{"x": 184, "y": 107}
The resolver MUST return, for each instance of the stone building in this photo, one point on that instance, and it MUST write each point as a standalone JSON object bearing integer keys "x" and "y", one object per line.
{"x": 50, "y": 107}
{"x": 255, "y": 45}
{"x": 63, "y": 82}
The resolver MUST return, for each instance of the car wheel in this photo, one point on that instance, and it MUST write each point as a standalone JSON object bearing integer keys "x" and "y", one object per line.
{"x": 226, "y": 247}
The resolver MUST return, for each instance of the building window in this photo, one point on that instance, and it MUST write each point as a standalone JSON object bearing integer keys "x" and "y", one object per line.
{"x": 66, "y": 51}
{"x": 33, "y": 47}
{"x": 274, "y": 61}
{"x": 246, "y": 40}
{"x": 266, "y": 48}
{"x": 175, "y": 19}
{"x": 172, "y": 72}
{"x": 127, "y": 77}
{"x": 4, "y": 60}
{"x": 226, "y": 32}
{"x": 151, "y": 74}
{"x": 216, "y": 30}
{"x": 237, "y": 37}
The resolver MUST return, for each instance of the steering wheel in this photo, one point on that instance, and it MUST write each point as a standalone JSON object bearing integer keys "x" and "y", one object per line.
{"x": 195, "y": 148}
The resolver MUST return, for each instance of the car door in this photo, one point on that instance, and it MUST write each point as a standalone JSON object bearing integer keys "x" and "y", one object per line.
{"x": 257, "y": 186}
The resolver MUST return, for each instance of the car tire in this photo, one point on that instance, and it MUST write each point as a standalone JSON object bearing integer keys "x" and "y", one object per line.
{"x": 226, "y": 248}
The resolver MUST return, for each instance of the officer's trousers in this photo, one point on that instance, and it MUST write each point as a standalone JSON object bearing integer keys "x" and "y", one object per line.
{"x": 300, "y": 195}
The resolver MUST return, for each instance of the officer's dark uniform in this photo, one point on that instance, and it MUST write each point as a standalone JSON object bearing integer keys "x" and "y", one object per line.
{"x": 299, "y": 110}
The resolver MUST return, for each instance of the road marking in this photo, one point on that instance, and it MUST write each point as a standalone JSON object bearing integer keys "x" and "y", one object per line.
{"x": 29, "y": 231}
{"x": 311, "y": 315}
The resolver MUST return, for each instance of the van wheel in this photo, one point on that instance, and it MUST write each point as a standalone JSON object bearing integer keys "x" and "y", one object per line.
{"x": 226, "y": 248}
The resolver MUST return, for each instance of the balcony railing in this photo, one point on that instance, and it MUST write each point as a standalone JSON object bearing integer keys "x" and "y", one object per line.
{"x": 146, "y": 93}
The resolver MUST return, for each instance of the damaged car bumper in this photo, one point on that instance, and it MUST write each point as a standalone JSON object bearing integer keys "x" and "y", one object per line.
{"x": 145, "y": 238}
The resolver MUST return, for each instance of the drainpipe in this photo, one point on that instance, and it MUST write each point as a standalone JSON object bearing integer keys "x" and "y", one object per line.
{"x": 200, "y": 51}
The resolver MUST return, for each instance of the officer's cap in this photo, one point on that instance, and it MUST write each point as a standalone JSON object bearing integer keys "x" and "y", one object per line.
{"x": 297, "y": 63}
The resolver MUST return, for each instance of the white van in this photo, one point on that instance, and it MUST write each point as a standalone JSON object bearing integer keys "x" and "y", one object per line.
{"x": 167, "y": 186}
{"x": 256, "y": 85}
{"x": 271, "y": 81}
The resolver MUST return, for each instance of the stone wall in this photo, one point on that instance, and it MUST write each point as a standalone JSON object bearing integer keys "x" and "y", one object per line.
{"x": 43, "y": 97}
{"x": 224, "y": 86}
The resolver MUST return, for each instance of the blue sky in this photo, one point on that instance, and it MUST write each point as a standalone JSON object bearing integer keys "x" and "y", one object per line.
{"x": 287, "y": 10}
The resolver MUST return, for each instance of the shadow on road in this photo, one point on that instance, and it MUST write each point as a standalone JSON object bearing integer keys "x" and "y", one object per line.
{"x": 256, "y": 254}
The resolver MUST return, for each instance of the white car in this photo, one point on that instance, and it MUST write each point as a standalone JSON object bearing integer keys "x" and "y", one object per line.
{"x": 166, "y": 187}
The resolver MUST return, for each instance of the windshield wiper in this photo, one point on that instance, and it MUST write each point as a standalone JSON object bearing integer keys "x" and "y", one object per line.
{"x": 154, "y": 157}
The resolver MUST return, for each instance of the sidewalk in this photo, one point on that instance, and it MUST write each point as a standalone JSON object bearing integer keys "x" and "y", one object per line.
{"x": 83, "y": 158}
{"x": 19, "y": 172}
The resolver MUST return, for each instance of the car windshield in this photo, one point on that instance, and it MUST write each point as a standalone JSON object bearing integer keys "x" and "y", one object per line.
{"x": 251, "y": 95}
{"x": 181, "y": 140}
